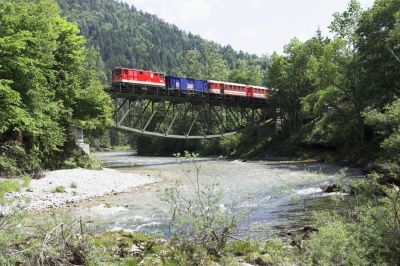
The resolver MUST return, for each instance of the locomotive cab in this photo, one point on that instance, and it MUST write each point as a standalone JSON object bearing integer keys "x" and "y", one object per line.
{"x": 119, "y": 74}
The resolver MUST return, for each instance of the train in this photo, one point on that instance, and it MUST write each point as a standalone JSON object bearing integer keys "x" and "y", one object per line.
{"x": 151, "y": 81}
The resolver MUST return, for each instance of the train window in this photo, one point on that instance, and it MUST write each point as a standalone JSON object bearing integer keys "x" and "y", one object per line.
{"x": 117, "y": 72}
{"x": 125, "y": 72}
{"x": 141, "y": 72}
{"x": 156, "y": 74}
{"x": 162, "y": 76}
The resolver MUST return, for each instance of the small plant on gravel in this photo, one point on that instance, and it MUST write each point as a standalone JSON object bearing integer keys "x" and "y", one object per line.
{"x": 198, "y": 214}
{"x": 74, "y": 185}
{"x": 241, "y": 248}
{"x": 59, "y": 189}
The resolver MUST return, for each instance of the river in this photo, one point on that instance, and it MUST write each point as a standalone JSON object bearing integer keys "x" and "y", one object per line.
{"x": 275, "y": 194}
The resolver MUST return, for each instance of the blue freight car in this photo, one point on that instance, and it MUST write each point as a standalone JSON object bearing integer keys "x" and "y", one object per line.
{"x": 185, "y": 85}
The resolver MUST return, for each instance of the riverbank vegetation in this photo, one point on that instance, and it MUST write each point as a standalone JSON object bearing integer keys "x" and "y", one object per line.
{"x": 46, "y": 75}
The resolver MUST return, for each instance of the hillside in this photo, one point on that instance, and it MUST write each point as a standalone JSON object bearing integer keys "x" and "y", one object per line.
{"x": 127, "y": 37}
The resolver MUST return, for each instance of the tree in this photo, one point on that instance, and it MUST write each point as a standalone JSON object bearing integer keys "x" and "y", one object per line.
{"x": 289, "y": 75}
{"x": 387, "y": 124}
{"x": 335, "y": 107}
{"x": 192, "y": 66}
{"x": 379, "y": 50}
{"x": 50, "y": 83}
{"x": 243, "y": 73}
{"x": 215, "y": 67}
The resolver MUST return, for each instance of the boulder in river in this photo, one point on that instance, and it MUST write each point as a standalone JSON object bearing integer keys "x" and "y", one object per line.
{"x": 332, "y": 188}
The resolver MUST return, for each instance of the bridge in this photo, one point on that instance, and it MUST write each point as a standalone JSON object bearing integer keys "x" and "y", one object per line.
{"x": 152, "y": 112}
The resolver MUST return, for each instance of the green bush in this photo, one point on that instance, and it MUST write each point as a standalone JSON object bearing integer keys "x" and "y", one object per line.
{"x": 8, "y": 186}
{"x": 335, "y": 243}
{"x": 8, "y": 166}
{"x": 241, "y": 248}
{"x": 59, "y": 189}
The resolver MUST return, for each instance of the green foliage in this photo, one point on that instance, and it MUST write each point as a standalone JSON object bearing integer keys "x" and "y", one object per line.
{"x": 378, "y": 48}
{"x": 290, "y": 75}
{"x": 387, "y": 125}
{"x": 7, "y": 186}
{"x": 74, "y": 185}
{"x": 192, "y": 66}
{"x": 335, "y": 243}
{"x": 214, "y": 64}
{"x": 59, "y": 189}
{"x": 246, "y": 74}
{"x": 11, "y": 215}
{"x": 241, "y": 248}
{"x": 46, "y": 79}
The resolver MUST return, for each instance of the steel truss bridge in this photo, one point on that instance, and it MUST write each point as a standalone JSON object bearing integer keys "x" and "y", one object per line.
{"x": 150, "y": 112}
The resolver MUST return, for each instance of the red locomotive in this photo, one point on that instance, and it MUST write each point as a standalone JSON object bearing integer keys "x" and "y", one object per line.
{"x": 138, "y": 77}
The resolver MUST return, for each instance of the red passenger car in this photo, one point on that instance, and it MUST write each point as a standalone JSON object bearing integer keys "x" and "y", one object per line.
{"x": 228, "y": 88}
{"x": 235, "y": 89}
{"x": 215, "y": 87}
{"x": 138, "y": 77}
{"x": 258, "y": 92}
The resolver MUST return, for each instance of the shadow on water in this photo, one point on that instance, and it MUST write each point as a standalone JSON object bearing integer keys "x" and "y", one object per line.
{"x": 313, "y": 167}
{"x": 135, "y": 165}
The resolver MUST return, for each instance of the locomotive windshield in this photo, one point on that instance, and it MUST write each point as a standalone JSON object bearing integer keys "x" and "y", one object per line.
{"x": 117, "y": 72}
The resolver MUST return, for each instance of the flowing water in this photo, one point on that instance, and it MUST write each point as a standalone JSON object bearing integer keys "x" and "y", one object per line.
{"x": 274, "y": 194}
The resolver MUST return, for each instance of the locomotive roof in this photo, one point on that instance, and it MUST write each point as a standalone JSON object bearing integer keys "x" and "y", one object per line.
{"x": 139, "y": 70}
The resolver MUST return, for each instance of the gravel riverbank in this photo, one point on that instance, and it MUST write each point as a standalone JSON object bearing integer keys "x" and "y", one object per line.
{"x": 78, "y": 185}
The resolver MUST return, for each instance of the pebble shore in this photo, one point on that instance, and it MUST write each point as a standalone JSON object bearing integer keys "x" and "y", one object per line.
{"x": 78, "y": 185}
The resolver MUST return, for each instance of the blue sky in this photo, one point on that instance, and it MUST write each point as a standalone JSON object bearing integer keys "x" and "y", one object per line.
{"x": 254, "y": 26}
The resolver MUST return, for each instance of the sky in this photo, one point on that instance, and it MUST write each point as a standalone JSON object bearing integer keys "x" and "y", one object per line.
{"x": 254, "y": 26}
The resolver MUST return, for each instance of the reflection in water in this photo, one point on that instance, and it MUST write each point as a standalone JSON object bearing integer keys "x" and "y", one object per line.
{"x": 276, "y": 194}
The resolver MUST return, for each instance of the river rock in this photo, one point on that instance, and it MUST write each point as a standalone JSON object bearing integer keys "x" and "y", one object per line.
{"x": 135, "y": 250}
{"x": 332, "y": 188}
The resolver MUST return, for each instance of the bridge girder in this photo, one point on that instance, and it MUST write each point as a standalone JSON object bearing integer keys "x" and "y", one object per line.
{"x": 185, "y": 117}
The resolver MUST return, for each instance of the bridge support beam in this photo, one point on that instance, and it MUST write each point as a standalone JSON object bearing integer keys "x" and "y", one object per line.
{"x": 184, "y": 117}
